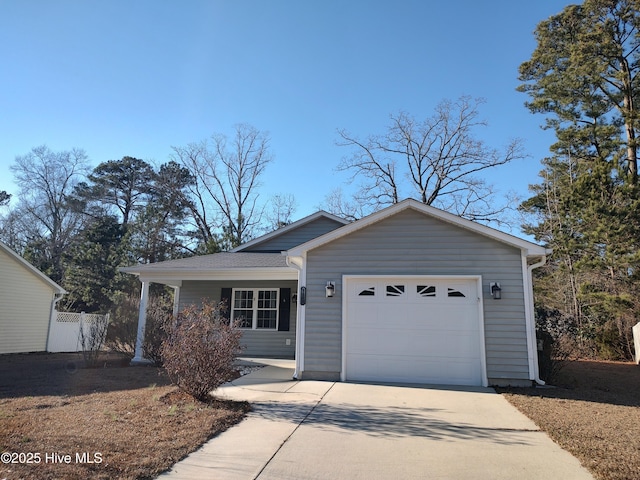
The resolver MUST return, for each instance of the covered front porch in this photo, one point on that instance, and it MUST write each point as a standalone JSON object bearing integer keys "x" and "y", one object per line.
{"x": 260, "y": 290}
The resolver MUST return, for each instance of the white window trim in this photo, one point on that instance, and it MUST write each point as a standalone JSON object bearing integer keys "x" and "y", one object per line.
{"x": 255, "y": 309}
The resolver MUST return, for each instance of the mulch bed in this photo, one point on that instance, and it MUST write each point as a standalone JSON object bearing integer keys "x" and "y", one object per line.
{"x": 59, "y": 419}
{"x": 593, "y": 412}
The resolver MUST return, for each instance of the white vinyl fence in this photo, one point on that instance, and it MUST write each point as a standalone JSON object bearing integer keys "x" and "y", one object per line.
{"x": 64, "y": 334}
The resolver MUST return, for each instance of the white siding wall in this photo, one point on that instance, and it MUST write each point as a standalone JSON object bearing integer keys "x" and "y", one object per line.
{"x": 257, "y": 343}
{"x": 411, "y": 243}
{"x": 25, "y": 307}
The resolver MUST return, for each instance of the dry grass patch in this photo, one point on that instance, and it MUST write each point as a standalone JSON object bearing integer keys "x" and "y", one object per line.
{"x": 593, "y": 413}
{"x": 129, "y": 421}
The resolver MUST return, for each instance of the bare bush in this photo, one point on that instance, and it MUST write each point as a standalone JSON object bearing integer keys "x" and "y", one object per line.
{"x": 121, "y": 336}
{"x": 200, "y": 349}
{"x": 93, "y": 331}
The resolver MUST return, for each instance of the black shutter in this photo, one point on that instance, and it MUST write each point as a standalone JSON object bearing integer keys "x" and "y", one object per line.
{"x": 225, "y": 297}
{"x": 285, "y": 309}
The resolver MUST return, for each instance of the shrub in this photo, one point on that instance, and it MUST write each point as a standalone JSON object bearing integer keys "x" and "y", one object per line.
{"x": 200, "y": 349}
{"x": 123, "y": 328}
{"x": 554, "y": 356}
{"x": 93, "y": 331}
{"x": 557, "y": 344}
{"x": 610, "y": 343}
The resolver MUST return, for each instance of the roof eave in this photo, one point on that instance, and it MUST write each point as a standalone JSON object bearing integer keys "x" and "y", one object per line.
{"x": 176, "y": 275}
{"x": 542, "y": 252}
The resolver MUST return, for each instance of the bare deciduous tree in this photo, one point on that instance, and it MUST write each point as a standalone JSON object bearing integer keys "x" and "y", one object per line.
{"x": 227, "y": 172}
{"x": 338, "y": 205}
{"x": 280, "y": 214}
{"x": 440, "y": 158}
{"x": 48, "y": 222}
{"x": 197, "y": 159}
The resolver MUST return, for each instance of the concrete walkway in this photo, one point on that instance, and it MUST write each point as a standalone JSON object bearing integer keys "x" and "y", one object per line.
{"x": 325, "y": 430}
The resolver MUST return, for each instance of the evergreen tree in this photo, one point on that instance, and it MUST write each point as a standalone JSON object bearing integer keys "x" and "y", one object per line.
{"x": 584, "y": 77}
{"x": 117, "y": 186}
{"x": 92, "y": 278}
{"x": 586, "y": 66}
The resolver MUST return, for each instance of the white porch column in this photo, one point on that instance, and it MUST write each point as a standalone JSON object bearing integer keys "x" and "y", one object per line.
{"x": 142, "y": 321}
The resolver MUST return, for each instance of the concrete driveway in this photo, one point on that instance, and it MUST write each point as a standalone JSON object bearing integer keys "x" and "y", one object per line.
{"x": 326, "y": 430}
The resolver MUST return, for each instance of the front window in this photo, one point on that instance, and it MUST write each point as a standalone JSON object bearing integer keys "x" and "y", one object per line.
{"x": 255, "y": 308}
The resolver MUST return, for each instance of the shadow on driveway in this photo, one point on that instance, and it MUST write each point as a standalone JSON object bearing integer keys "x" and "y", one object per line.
{"x": 390, "y": 422}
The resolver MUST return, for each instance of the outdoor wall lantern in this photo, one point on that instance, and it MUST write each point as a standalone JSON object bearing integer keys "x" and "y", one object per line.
{"x": 330, "y": 289}
{"x": 496, "y": 290}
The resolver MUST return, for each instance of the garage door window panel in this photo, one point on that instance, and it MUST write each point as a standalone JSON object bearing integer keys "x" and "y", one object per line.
{"x": 453, "y": 293}
{"x": 368, "y": 292}
{"x": 395, "y": 290}
{"x": 426, "y": 291}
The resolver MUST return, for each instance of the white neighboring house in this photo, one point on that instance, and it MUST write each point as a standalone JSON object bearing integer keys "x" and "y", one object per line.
{"x": 27, "y": 304}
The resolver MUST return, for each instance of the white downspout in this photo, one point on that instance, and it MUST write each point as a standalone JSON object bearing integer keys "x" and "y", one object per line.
{"x": 299, "y": 263}
{"x": 531, "y": 322}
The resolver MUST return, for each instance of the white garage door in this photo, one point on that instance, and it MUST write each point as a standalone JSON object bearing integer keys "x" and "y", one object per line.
{"x": 413, "y": 330}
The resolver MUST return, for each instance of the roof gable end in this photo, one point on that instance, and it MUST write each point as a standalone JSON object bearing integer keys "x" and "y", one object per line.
{"x": 530, "y": 249}
{"x": 289, "y": 229}
{"x": 31, "y": 269}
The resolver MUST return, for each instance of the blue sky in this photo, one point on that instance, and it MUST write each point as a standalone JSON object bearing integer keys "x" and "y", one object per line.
{"x": 136, "y": 77}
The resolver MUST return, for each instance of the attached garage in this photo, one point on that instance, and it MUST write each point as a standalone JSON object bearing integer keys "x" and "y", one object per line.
{"x": 405, "y": 296}
{"x": 423, "y": 329}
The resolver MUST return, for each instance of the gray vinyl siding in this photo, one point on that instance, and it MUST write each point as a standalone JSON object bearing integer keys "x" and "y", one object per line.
{"x": 256, "y": 343}
{"x": 25, "y": 308}
{"x": 410, "y": 243}
{"x": 297, "y": 236}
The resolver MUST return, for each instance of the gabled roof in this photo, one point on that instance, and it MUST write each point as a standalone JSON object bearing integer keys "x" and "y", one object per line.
{"x": 31, "y": 269}
{"x": 292, "y": 226}
{"x": 215, "y": 261}
{"x": 234, "y": 264}
{"x": 530, "y": 249}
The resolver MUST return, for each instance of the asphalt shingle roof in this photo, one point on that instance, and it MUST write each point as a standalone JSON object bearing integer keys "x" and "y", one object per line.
{"x": 216, "y": 261}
